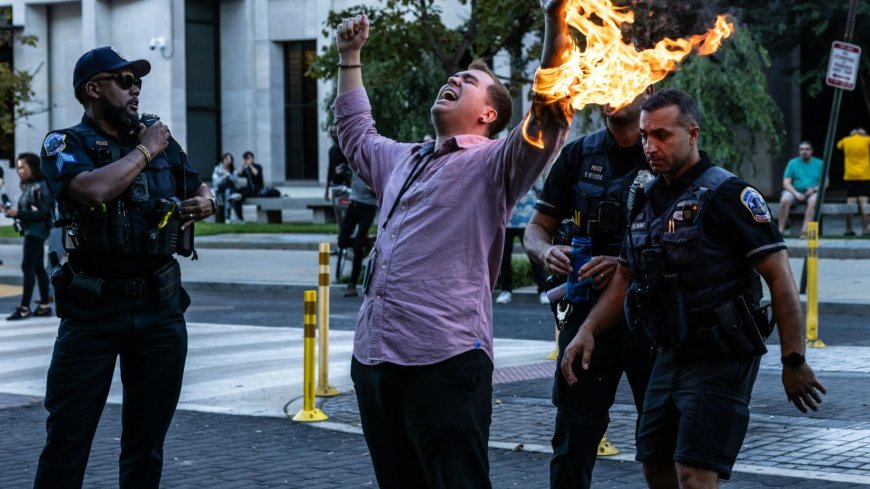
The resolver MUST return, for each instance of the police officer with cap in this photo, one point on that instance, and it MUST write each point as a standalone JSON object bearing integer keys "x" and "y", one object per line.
{"x": 688, "y": 275}
{"x": 127, "y": 196}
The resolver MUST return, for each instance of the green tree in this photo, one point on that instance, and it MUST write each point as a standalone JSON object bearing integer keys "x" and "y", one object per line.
{"x": 405, "y": 64}
{"x": 411, "y": 52}
{"x": 15, "y": 85}
{"x": 784, "y": 25}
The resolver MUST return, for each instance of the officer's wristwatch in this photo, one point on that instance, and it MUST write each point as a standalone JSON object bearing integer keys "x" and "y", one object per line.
{"x": 794, "y": 360}
{"x": 214, "y": 207}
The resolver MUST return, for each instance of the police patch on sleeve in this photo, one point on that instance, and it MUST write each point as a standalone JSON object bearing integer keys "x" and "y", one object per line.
{"x": 753, "y": 201}
{"x": 54, "y": 143}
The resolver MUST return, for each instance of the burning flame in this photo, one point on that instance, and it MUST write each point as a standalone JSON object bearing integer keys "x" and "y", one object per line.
{"x": 611, "y": 71}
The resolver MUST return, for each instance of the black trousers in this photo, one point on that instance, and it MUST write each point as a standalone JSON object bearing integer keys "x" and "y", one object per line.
{"x": 427, "y": 427}
{"x": 151, "y": 339}
{"x": 358, "y": 216}
{"x": 582, "y": 410}
{"x": 33, "y": 268}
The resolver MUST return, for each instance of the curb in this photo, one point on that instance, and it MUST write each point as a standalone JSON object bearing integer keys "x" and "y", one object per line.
{"x": 521, "y": 296}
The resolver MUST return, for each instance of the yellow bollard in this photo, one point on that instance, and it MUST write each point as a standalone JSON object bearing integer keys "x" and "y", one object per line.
{"x": 323, "y": 387}
{"x": 606, "y": 448}
{"x": 554, "y": 355}
{"x": 813, "y": 340}
{"x": 309, "y": 412}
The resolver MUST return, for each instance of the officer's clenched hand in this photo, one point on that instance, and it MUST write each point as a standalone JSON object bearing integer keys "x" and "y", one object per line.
{"x": 154, "y": 138}
{"x": 601, "y": 269}
{"x": 581, "y": 346}
{"x": 558, "y": 260}
{"x": 802, "y": 387}
{"x": 195, "y": 209}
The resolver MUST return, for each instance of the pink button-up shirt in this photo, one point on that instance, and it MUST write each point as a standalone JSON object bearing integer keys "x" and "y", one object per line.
{"x": 430, "y": 293}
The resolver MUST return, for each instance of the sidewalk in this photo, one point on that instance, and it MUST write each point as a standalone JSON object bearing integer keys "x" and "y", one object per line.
{"x": 288, "y": 262}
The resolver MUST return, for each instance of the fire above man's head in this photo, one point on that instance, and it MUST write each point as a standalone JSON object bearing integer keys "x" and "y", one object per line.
{"x": 610, "y": 71}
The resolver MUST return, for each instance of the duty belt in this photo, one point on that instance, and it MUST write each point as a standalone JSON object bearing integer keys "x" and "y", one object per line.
{"x": 161, "y": 284}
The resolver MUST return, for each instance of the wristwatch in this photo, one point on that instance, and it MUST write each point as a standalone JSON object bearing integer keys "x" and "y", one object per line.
{"x": 214, "y": 207}
{"x": 793, "y": 360}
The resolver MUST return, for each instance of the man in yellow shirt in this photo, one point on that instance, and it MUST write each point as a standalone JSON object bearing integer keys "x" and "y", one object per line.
{"x": 856, "y": 149}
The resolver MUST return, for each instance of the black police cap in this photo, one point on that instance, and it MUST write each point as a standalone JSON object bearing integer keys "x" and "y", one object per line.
{"x": 105, "y": 59}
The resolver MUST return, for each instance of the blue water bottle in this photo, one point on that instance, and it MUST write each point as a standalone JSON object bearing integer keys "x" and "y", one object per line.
{"x": 581, "y": 252}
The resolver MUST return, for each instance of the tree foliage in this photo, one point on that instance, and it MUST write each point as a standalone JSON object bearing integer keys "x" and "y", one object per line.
{"x": 412, "y": 51}
{"x": 785, "y": 25}
{"x": 405, "y": 64}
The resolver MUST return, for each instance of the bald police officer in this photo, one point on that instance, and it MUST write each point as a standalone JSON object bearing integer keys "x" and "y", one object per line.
{"x": 127, "y": 196}
{"x": 689, "y": 274}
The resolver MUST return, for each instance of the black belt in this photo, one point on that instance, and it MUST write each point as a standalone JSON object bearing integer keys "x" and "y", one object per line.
{"x": 156, "y": 284}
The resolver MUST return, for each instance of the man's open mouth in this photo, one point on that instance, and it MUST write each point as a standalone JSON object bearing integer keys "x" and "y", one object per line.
{"x": 448, "y": 95}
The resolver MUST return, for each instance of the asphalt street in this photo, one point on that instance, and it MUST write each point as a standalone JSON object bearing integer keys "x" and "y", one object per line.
{"x": 215, "y": 450}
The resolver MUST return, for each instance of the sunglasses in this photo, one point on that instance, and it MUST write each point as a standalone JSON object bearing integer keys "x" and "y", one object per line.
{"x": 123, "y": 80}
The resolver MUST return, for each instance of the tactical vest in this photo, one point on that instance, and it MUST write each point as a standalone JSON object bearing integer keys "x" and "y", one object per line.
{"x": 600, "y": 197}
{"x": 144, "y": 219}
{"x": 703, "y": 272}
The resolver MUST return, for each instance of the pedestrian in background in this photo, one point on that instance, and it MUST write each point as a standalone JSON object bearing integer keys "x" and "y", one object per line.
{"x": 591, "y": 178}
{"x": 358, "y": 217}
{"x": 688, "y": 276}
{"x": 127, "y": 195}
{"x": 338, "y": 174}
{"x": 856, "y": 175}
{"x": 800, "y": 182}
{"x": 33, "y": 221}
{"x": 516, "y": 230}
{"x": 224, "y": 180}
{"x": 423, "y": 345}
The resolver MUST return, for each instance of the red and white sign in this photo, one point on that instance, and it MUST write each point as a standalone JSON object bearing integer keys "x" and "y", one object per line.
{"x": 843, "y": 66}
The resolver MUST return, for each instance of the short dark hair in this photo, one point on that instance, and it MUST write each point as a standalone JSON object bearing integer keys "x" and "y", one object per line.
{"x": 81, "y": 96}
{"x": 806, "y": 143}
{"x": 32, "y": 161}
{"x": 499, "y": 98}
{"x": 247, "y": 154}
{"x": 690, "y": 116}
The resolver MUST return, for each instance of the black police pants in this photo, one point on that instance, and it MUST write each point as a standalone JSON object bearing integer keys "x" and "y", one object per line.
{"x": 427, "y": 427}
{"x": 358, "y": 216}
{"x": 582, "y": 409}
{"x": 150, "y": 337}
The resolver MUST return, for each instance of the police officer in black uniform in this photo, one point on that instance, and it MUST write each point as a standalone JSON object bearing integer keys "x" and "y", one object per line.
{"x": 688, "y": 275}
{"x": 127, "y": 197}
{"x": 592, "y": 176}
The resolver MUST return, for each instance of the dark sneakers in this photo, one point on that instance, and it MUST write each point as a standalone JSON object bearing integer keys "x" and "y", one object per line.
{"x": 19, "y": 313}
{"x": 43, "y": 310}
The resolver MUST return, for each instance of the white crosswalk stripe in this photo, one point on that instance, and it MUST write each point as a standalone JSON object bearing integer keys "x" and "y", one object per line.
{"x": 238, "y": 369}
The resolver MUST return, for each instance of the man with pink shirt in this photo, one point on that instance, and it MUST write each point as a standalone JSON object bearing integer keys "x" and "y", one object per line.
{"x": 422, "y": 365}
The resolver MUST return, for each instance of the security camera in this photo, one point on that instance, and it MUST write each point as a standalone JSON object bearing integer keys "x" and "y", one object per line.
{"x": 156, "y": 42}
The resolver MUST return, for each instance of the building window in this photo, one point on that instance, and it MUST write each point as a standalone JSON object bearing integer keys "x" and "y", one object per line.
{"x": 202, "y": 70}
{"x": 300, "y": 111}
{"x": 7, "y": 141}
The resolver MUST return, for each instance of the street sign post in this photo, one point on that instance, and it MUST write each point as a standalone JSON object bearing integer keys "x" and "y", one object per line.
{"x": 843, "y": 65}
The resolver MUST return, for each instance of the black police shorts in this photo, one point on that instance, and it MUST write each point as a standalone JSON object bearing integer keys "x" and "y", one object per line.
{"x": 696, "y": 412}
{"x": 857, "y": 188}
